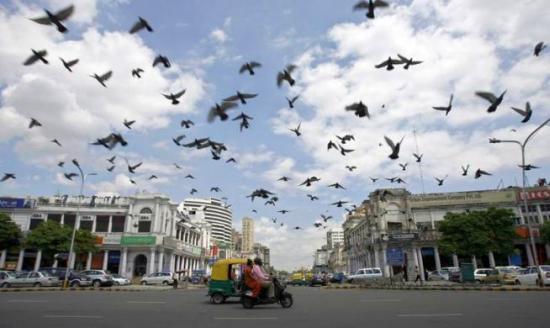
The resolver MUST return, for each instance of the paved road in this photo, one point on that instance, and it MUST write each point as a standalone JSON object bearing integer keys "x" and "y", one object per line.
{"x": 313, "y": 307}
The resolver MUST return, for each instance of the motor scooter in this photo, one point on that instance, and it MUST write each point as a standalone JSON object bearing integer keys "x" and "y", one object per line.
{"x": 281, "y": 296}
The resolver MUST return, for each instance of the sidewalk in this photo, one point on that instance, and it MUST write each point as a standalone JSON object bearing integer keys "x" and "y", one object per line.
{"x": 433, "y": 285}
{"x": 129, "y": 288}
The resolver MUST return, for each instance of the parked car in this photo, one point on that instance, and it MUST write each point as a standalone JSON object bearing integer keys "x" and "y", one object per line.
{"x": 530, "y": 276}
{"x": 481, "y": 274}
{"x": 318, "y": 280}
{"x": 437, "y": 276}
{"x": 157, "y": 278}
{"x": 508, "y": 275}
{"x": 99, "y": 278}
{"x": 365, "y": 274}
{"x": 6, "y": 278}
{"x": 57, "y": 272}
{"x": 80, "y": 280}
{"x": 119, "y": 280}
{"x": 338, "y": 278}
{"x": 35, "y": 279}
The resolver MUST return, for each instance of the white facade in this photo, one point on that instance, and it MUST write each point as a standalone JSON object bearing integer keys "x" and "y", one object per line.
{"x": 213, "y": 211}
{"x": 136, "y": 235}
{"x": 247, "y": 235}
{"x": 335, "y": 236}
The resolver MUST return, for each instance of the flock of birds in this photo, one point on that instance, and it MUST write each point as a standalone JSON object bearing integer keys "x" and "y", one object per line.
{"x": 222, "y": 110}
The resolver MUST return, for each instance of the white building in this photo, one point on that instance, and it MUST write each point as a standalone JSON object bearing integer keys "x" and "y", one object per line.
{"x": 320, "y": 259}
{"x": 247, "y": 235}
{"x": 136, "y": 235}
{"x": 335, "y": 236}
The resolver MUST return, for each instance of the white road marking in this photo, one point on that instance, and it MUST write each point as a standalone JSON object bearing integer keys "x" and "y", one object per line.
{"x": 382, "y": 300}
{"x": 146, "y": 302}
{"x": 428, "y": 315}
{"x": 60, "y": 316}
{"x": 27, "y": 301}
{"x": 245, "y": 318}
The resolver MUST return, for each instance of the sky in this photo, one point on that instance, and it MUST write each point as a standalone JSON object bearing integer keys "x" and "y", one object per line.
{"x": 464, "y": 45}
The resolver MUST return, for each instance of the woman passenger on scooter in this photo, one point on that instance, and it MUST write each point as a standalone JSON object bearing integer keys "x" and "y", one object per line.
{"x": 250, "y": 280}
{"x": 263, "y": 278}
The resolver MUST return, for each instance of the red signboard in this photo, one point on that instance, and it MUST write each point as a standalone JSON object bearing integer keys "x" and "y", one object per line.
{"x": 535, "y": 194}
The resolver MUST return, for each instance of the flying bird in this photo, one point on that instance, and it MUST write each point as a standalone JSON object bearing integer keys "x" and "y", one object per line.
{"x": 447, "y": 108}
{"x": 539, "y": 47}
{"x": 336, "y": 186}
{"x": 132, "y": 168}
{"x": 360, "y": 109}
{"x": 528, "y": 167}
{"x": 326, "y": 218}
{"x": 152, "y": 177}
{"x": 177, "y": 166}
{"x": 112, "y": 159}
{"x": 7, "y": 176}
{"x": 219, "y": 110}
{"x": 244, "y": 124}
{"x": 215, "y": 189}
{"x": 312, "y": 198}
{"x": 283, "y": 179}
{"x": 297, "y": 130}
{"x": 408, "y": 61}
{"x": 56, "y": 18}
{"x": 231, "y": 160}
{"x": 296, "y": 227}
{"x": 34, "y": 123}
{"x": 215, "y": 155}
{"x": 262, "y": 193}
{"x": 174, "y": 97}
{"x": 132, "y": 181}
{"x": 177, "y": 140}
{"x": 344, "y": 151}
{"x": 249, "y": 67}
{"x": 465, "y": 170}
{"x": 36, "y": 56}
{"x": 136, "y": 72}
{"x": 241, "y": 96}
{"x": 369, "y": 6}
{"x": 139, "y": 25}
{"x": 69, "y": 64}
{"x": 189, "y": 176}
{"x": 309, "y": 181}
{"x": 128, "y": 124}
{"x": 102, "y": 78}
{"x": 440, "y": 181}
{"x": 480, "y": 172}
{"x": 274, "y": 220}
{"x": 394, "y": 147}
{"x": 283, "y": 211}
{"x": 55, "y": 141}
{"x": 285, "y": 75}
{"x": 292, "y": 101}
{"x": 60, "y": 164}
{"x": 351, "y": 168}
{"x": 373, "y": 179}
{"x": 339, "y": 203}
{"x": 317, "y": 224}
{"x": 193, "y": 191}
{"x": 418, "y": 157}
{"x": 160, "y": 59}
{"x": 70, "y": 176}
{"x": 111, "y": 141}
{"x": 490, "y": 97}
{"x": 186, "y": 123}
{"x": 526, "y": 113}
{"x": 346, "y": 138}
{"x": 389, "y": 64}
{"x": 331, "y": 145}
{"x": 110, "y": 169}
{"x": 403, "y": 166}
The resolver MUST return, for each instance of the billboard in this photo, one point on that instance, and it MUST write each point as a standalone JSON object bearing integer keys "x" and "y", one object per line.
{"x": 542, "y": 193}
{"x": 463, "y": 198}
{"x": 138, "y": 240}
{"x": 6, "y": 202}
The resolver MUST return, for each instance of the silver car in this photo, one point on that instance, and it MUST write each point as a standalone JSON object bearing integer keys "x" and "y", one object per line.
{"x": 158, "y": 278}
{"x": 120, "y": 281}
{"x": 99, "y": 278}
{"x": 35, "y": 279}
{"x": 6, "y": 277}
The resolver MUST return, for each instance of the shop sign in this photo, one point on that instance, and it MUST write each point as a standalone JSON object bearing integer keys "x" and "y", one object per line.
{"x": 138, "y": 240}
{"x": 14, "y": 203}
{"x": 403, "y": 236}
{"x": 395, "y": 256}
{"x": 111, "y": 239}
{"x": 462, "y": 198}
{"x": 535, "y": 194}
{"x": 98, "y": 240}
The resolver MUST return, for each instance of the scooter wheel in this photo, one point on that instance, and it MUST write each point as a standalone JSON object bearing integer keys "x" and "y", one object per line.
{"x": 286, "y": 301}
{"x": 248, "y": 302}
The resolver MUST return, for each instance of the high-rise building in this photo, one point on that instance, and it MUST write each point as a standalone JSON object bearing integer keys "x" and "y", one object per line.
{"x": 216, "y": 213}
{"x": 237, "y": 241}
{"x": 262, "y": 252}
{"x": 335, "y": 236}
{"x": 247, "y": 235}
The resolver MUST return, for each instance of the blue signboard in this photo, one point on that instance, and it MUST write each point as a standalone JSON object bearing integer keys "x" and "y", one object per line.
{"x": 14, "y": 203}
{"x": 395, "y": 256}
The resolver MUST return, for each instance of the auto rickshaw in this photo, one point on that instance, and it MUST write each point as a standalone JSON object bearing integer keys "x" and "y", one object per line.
{"x": 226, "y": 280}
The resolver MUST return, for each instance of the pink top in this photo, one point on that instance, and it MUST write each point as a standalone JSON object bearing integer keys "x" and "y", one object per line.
{"x": 259, "y": 273}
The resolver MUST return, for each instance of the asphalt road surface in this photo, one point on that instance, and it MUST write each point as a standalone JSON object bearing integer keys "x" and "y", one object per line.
{"x": 313, "y": 307}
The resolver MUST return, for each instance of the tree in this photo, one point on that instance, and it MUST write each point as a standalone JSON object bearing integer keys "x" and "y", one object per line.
{"x": 478, "y": 232}
{"x": 9, "y": 232}
{"x": 52, "y": 237}
{"x": 545, "y": 232}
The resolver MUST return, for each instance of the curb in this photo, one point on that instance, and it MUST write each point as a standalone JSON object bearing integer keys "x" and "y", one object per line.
{"x": 75, "y": 289}
{"x": 447, "y": 288}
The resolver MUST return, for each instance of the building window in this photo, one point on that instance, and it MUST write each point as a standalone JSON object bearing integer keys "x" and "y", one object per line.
{"x": 86, "y": 224}
{"x": 118, "y": 224}
{"x": 144, "y": 225}
{"x": 54, "y": 217}
{"x": 102, "y": 224}
{"x": 517, "y": 220}
{"x": 35, "y": 223}
{"x": 69, "y": 220}
{"x": 145, "y": 210}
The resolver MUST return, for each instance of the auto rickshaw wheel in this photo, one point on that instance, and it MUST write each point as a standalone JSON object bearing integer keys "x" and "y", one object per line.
{"x": 217, "y": 298}
{"x": 248, "y": 302}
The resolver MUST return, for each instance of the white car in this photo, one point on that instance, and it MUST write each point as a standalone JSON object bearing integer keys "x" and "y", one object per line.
{"x": 530, "y": 276}
{"x": 119, "y": 280}
{"x": 158, "y": 278}
{"x": 481, "y": 274}
{"x": 365, "y": 274}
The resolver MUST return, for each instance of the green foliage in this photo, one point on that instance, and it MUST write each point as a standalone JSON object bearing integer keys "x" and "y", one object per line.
{"x": 9, "y": 232}
{"x": 545, "y": 232}
{"x": 478, "y": 232}
{"x": 52, "y": 238}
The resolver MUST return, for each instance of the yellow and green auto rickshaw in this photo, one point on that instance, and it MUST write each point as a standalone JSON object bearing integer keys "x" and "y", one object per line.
{"x": 225, "y": 280}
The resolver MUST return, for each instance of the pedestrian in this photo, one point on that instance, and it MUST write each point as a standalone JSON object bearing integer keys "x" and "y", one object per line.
{"x": 417, "y": 273}
{"x": 175, "y": 282}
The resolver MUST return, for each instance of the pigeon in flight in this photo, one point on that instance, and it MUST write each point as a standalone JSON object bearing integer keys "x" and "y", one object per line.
{"x": 403, "y": 166}
{"x": 297, "y": 130}
{"x": 132, "y": 168}
{"x": 102, "y": 78}
{"x": 539, "y": 47}
{"x": 447, "y": 108}
{"x": 465, "y": 170}
{"x": 56, "y": 18}
{"x": 262, "y": 193}
{"x": 360, "y": 109}
{"x": 480, "y": 172}
{"x": 528, "y": 167}
{"x": 394, "y": 147}
{"x": 215, "y": 155}
{"x": 309, "y": 181}
{"x": 418, "y": 157}
{"x": 136, "y": 72}
{"x": 339, "y": 203}
{"x": 331, "y": 145}
{"x": 373, "y": 179}
{"x": 112, "y": 159}
{"x": 34, "y": 123}
{"x": 55, "y": 141}
{"x": 297, "y": 228}
{"x": 36, "y": 56}
{"x": 490, "y": 97}
{"x": 244, "y": 121}
{"x": 177, "y": 166}
{"x": 274, "y": 220}
{"x": 70, "y": 176}
{"x": 283, "y": 211}
{"x": 60, "y": 164}
{"x": 317, "y": 224}
{"x": 408, "y": 61}
{"x": 292, "y": 101}
{"x": 336, "y": 186}
{"x": 132, "y": 181}
{"x": 249, "y": 67}
{"x": 160, "y": 59}
{"x": 346, "y": 138}
{"x": 241, "y": 96}
{"x": 7, "y": 176}
{"x": 177, "y": 140}
{"x": 389, "y": 64}
{"x": 326, "y": 218}
{"x": 152, "y": 177}
{"x": 351, "y": 168}
{"x": 312, "y": 198}
{"x": 69, "y": 64}
{"x": 526, "y": 113}
{"x": 219, "y": 110}
{"x": 186, "y": 123}
{"x": 283, "y": 179}
{"x": 193, "y": 191}
{"x": 344, "y": 151}
{"x": 128, "y": 124}
{"x": 189, "y": 176}
{"x": 111, "y": 141}
{"x": 110, "y": 169}
{"x": 215, "y": 189}
{"x": 369, "y": 6}
{"x": 174, "y": 97}
{"x": 440, "y": 181}
{"x": 285, "y": 75}
{"x": 231, "y": 160}
{"x": 139, "y": 25}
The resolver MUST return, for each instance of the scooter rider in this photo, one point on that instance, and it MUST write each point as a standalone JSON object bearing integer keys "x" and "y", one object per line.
{"x": 250, "y": 280}
{"x": 263, "y": 278}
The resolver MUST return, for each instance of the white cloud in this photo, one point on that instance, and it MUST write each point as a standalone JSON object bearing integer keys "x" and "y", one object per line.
{"x": 218, "y": 35}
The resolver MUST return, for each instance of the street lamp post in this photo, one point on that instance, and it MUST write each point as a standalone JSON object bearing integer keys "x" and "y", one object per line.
{"x": 71, "y": 256}
{"x": 523, "y": 193}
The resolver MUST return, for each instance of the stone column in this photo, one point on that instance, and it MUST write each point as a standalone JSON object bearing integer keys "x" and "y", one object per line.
{"x": 530, "y": 258}
{"x": 122, "y": 264}
{"x": 105, "y": 260}
{"x": 421, "y": 264}
{"x": 37, "y": 260}
{"x": 491, "y": 260}
{"x": 474, "y": 261}
{"x": 376, "y": 258}
{"x": 386, "y": 267}
{"x": 172, "y": 267}
{"x": 161, "y": 260}
{"x": 151, "y": 261}
{"x": 110, "y": 224}
{"x": 455, "y": 260}
{"x": 416, "y": 266}
{"x": 3, "y": 258}
{"x": 20, "y": 259}
{"x": 437, "y": 258}
{"x": 89, "y": 261}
